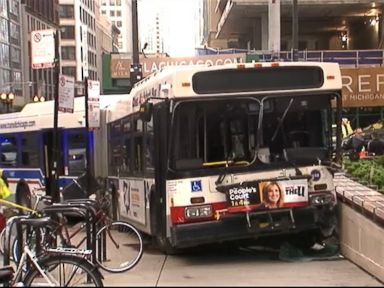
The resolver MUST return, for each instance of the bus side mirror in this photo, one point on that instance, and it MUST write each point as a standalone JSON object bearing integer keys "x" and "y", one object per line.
{"x": 146, "y": 111}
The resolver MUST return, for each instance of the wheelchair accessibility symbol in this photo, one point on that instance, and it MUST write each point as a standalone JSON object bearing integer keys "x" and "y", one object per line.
{"x": 196, "y": 186}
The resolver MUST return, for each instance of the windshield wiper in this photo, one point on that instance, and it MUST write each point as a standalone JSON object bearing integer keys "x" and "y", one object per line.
{"x": 282, "y": 119}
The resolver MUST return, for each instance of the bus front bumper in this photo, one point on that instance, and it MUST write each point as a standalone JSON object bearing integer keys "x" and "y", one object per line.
{"x": 240, "y": 226}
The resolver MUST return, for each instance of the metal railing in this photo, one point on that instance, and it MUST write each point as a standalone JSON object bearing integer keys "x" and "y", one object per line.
{"x": 343, "y": 57}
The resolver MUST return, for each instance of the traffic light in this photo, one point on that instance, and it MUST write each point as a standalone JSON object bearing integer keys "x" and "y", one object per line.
{"x": 136, "y": 73}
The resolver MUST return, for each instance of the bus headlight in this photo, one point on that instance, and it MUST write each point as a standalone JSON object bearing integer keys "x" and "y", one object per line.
{"x": 320, "y": 199}
{"x": 198, "y": 212}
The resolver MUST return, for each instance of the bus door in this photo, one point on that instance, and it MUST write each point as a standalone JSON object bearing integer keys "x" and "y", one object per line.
{"x": 74, "y": 149}
{"x": 158, "y": 198}
{"x": 47, "y": 156}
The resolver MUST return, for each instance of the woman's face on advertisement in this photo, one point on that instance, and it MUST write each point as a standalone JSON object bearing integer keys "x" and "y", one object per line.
{"x": 273, "y": 193}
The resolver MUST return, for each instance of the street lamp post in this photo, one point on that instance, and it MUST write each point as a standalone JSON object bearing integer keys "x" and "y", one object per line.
{"x": 7, "y": 100}
{"x": 7, "y": 92}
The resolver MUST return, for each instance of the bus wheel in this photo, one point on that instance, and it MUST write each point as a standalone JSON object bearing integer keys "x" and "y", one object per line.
{"x": 23, "y": 194}
{"x": 165, "y": 246}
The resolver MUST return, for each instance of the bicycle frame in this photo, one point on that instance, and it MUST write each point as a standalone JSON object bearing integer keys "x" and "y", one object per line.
{"x": 102, "y": 219}
{"x": 29, "y": 254}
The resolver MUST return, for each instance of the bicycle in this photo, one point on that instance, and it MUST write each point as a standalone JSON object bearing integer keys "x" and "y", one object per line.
{"x": 57, "y": 267}
{"x": 46, "y": 200}
{"x": 119, "y": 245}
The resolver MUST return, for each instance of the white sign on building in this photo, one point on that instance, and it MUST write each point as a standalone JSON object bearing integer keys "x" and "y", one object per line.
{"x": 84, "y": 36}
{"x": 93, "y": 104}
{"x": 66, "y": 93}
{"x": 43, "y": 49}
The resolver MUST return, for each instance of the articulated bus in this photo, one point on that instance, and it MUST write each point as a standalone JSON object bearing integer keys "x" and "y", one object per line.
{"x": 26, "y": 145}
{"x": 205, "y": 154}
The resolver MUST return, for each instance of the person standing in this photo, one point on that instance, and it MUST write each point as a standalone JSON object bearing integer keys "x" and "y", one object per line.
{"x": 346, "y": 127}
{"x": 4, "y": 187}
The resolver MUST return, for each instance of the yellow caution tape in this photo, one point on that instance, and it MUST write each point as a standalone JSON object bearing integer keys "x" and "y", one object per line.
{"x": 14, "y": 205}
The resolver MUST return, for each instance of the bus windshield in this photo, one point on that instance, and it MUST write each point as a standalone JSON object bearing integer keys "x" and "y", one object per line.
{"x": 238, "y": 132}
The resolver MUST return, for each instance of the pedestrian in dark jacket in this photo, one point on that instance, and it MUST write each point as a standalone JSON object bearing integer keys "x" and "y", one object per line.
{"x": 375, "y": 145}
{"x": 356, "y": 144}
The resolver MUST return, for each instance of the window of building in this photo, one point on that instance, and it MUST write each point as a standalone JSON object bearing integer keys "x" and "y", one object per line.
{"x": 118, "y": 24}
{"x": 103, "y": 12}
{"x": 3, "y": 8}
{"x": 69, "y": 71}
{"x": 66, "y": 11}
{"x": 112, "y": 2}
{"x": 16, "y": 58}
{"x": 14, "y": 9}
{"x": 3, "y": 30}
{"x": 15, "y": 33}
{"x": 118, "y": 13}
{"x": 68, "y": 53}
{"x": 5, "y": 75}
{"x": 4, "y": 57}
{"x": 68, "y": 32}
{"x": 111, "y": 13}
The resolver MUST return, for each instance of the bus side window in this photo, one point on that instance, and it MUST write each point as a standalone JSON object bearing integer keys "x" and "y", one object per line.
{"x": 138, "y": 154}
{"x": 30, "y": 150}
{"x": 9, "y": 151}
{"x": 76, "y": 152}
{"x": 138, "y": 157}
{"x": 148, "y": 146}
{"x": 126, "y": 157}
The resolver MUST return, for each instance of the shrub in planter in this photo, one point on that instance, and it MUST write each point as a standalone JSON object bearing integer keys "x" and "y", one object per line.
{"x": 370, "y": 170}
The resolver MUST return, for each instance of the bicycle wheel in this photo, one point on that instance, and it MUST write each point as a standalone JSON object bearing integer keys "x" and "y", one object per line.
{"x": 12, "y": 240}
{"x": 15, "y": 252}
{"x": 2, "y": 241}
{"x": 119, "y": 247}
{"x": 64, "y": 271}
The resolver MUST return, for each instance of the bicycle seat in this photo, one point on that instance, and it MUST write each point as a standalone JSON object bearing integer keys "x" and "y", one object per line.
{"x": 6, "y": 273}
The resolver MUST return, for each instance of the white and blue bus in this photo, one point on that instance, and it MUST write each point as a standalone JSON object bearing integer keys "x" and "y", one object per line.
{"x": 26, "y": 144}
{"x": 193, "y": 151}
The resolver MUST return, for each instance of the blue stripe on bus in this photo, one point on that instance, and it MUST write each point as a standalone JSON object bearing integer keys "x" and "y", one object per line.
{"x": 35, "y": 175}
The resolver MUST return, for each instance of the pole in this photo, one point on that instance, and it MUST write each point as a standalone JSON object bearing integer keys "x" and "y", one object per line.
{"x": 135, "y": 33}
{"x": 88, "y": 169}
{"x": 295, "y": 32}
{"x": 54, "y": 175}
{"x": 136, "y": 71}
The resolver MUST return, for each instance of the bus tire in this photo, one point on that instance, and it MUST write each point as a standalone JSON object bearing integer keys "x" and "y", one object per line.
{"x": 23, "y": 194}
{"x": 166, "y": 247}
{"x": 158, "y": 239}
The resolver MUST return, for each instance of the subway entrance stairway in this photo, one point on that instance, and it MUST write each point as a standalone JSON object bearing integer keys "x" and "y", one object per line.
{"x": 361, "y": 224}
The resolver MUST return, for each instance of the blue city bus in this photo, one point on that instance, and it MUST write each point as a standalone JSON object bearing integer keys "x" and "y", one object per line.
{"x": 26, "y": 145}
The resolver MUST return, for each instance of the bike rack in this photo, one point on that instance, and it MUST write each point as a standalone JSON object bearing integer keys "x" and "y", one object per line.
{"x": 89, "y": 216}
{"x": 95, "y": 205}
